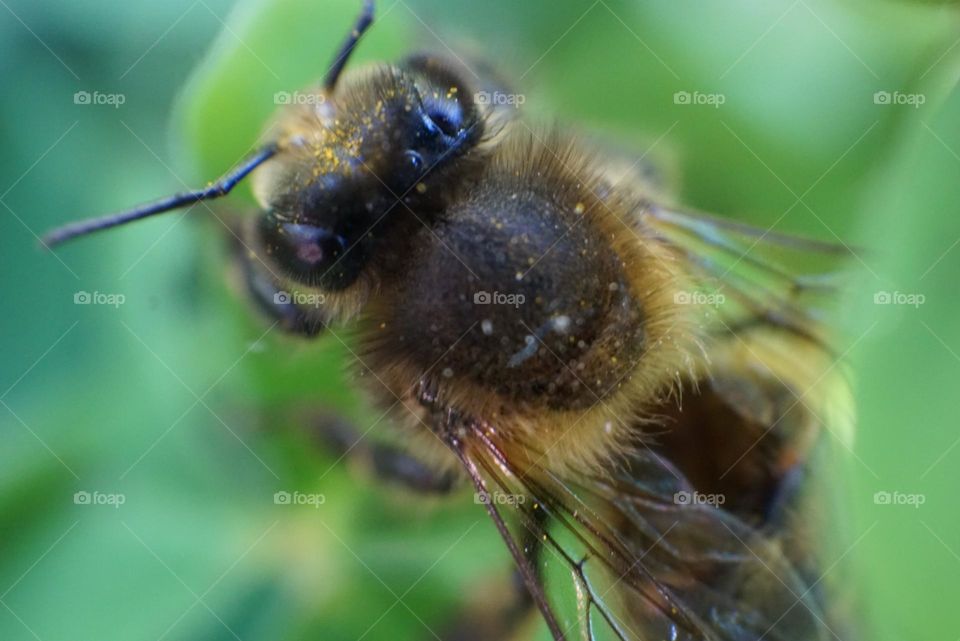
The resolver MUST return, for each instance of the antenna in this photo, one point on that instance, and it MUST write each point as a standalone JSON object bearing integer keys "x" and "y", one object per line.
{"x": 217, "y": 189}
{"x": 364, "y": 20}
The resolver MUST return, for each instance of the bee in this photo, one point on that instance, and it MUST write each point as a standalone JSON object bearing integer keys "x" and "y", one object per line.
{"x": 648, "y": 385}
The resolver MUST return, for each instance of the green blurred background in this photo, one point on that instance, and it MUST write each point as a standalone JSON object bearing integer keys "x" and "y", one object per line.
{"x": 177, "y": 401}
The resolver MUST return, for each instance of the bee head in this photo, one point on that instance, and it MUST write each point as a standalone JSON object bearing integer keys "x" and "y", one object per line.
{"x": 358, "y": 158}
{"x": 342, "y": 171}
{"x": 344, "y": 168}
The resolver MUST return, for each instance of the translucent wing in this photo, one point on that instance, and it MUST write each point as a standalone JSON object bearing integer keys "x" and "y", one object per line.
{"x": 775, "y": 295}
{"x": 646, "y": 562}
{"x": 750, "y": 275}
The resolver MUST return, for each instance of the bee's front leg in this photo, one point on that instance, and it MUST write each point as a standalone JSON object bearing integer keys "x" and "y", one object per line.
{"x": 272, "y": 300}
{"x": 384, "y": 461}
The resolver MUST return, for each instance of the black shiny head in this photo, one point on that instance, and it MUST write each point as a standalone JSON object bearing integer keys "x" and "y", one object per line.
{"x": 370, "y": 153}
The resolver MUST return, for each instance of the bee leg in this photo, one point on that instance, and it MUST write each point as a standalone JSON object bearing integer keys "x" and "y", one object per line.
{"x": 784, "y": 496}
{"x": 394, "y": 465}
{"x": 386, "y": 462}
{"x": 276, "y": 303}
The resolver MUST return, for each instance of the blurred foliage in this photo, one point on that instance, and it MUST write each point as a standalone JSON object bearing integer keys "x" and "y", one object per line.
{"x": 177, "y": 400}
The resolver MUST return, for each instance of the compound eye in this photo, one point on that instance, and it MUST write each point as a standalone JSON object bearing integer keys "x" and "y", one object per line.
{"x": 446, "y": 114}
{"x": 312, "y": 255}
{"x": 444, "y": 118}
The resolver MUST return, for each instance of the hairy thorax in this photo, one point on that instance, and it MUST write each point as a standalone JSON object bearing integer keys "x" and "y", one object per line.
{"x": 534, "y": 303}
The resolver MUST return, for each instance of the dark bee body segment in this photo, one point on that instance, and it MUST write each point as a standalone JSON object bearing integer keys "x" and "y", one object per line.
{"x": 535, "y": 301}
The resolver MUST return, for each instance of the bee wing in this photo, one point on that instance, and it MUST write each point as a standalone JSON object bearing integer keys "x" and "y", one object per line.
{"x": 648, "y": 563}
{"x": 772, "y": 293}
{"x": 751, "y": 275}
